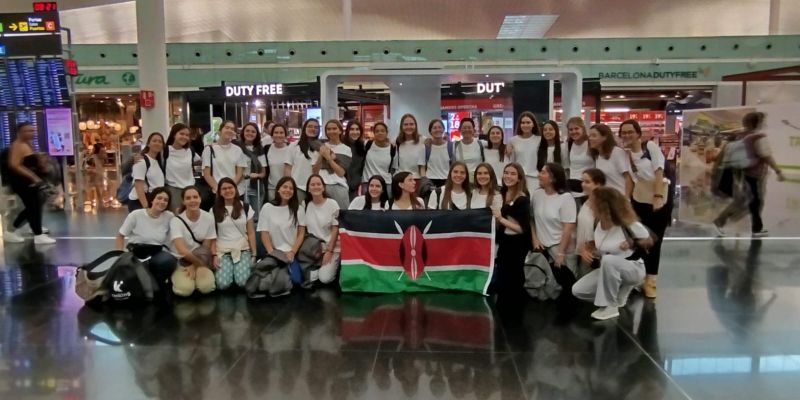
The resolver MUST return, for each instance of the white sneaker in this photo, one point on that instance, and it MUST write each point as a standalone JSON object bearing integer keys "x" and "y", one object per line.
{"x": 26, "y": 230}
{"x": 624, "y": 293}
{"x": 12, "y": 237}
{"x": 43, "y": 239}
{"x": 718, "y": 230}
{"x": 605, "y": 313}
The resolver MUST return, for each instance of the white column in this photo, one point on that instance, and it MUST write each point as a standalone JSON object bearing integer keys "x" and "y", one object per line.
{"x": 774, "y": 17}
{"x": 572, "y": 95}
{"x": 152, "y": 56}
{"x": 419, "y": 95}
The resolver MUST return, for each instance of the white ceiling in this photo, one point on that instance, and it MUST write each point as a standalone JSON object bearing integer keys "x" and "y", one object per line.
{"x": 111, "y": 21}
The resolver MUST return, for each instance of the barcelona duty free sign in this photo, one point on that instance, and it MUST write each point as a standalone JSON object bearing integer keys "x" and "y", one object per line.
{"x": 255, "y": 89}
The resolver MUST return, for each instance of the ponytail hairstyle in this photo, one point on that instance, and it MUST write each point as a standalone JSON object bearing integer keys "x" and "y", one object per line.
{"x": 219, "y": 209}
{"x": 397, "y": 191}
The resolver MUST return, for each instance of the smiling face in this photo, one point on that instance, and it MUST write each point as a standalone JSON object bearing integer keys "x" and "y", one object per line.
{"x": 160, "y": 202}
{"x": 315, "y": 186}
{"x": 482, "y": 176}
{"x": 467, "y": 130}
{"x": 286, "y": 191}
{"x": 227, "y": 132}
{"x": 458, "y": 174}
{"x": 332, "y": 131}
{"x": 595, "y": 139}
{"x": 228, "y": 191}
{"x": 354, "y": 132}
{"x": 380, "y": 133}
{"x": 545, "y": 178}
{"x": 312, "y": 129}
{"x": 437, "y": 130}
{"x": 409, "y": 185}
{"x": 495, "y": 136}
{"x": 279, "y": 135}
{"x": 510, "y": 176}
{"x": 182, "y": 138}
{"x": 548, "y": 132}
{"x": 576, "y": 131}
{"x": 627, "y": 133}
{"x": 375, "y": 189}
{"x": 155, "y": 143}
{"x": 408, "y": 126}
{"x": 526, "y": 125}
{"x": 587, "y": 184}
{"x": 191, "y": 200}
{"x": 249, "y": 133}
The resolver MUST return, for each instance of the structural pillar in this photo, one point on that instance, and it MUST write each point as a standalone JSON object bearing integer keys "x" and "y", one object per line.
{"x": 418, "y": 95}
{"x": 152, "y": 56}
{"x": 774, "y": 17}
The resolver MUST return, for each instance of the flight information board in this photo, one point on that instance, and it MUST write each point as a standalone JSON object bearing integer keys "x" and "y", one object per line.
{"x": 30, "y": 34}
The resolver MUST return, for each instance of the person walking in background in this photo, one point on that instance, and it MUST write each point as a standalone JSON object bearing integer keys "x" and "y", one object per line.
{"x": 759, "y": 159}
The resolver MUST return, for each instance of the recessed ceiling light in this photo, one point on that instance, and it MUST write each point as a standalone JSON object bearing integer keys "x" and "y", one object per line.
{"x": 608, "y": 96}
{"x": 663, "y": 96}
{"x": 525, "y": 26}
{"x": 622, "y": 96}
{"x": 487, "y": 75}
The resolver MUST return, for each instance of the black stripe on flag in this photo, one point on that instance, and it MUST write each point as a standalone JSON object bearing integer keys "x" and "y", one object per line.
{"x": 383, "y": 222}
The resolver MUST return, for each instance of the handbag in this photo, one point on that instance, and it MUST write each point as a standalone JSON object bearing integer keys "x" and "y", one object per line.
{"x": 644, "y": 191}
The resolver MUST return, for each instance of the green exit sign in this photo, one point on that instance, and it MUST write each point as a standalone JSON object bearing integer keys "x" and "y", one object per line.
{"x": 1, "y": 26}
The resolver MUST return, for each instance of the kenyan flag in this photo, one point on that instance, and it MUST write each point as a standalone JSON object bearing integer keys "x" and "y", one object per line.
{"x": 416, "y": 251}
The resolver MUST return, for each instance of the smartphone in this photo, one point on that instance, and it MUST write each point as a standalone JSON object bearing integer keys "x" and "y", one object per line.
{"x": 137, "y": 148}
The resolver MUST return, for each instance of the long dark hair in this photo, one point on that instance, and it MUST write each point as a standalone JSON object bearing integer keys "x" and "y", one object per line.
{"x": 543, "y": 145}
{"x": 558, "y": 176}
{"x": 346, "y": 137}
{"x": 294, "y": 202}
{"x": 493, "y": 188}
{"x": 522, "y": 185}
{"x": 146, "y": 148}
{"x": 185, "y": 190}
{"x": 518, "y": 128}
{"x": 174, "y": 132}
{"x": 305, "y": 142}
{"x": 397, "y": 191}
{"x": 258, "y": 150}
{"x": 384, "y": 198}
{"x": 502, "y": 146}
{"x": 447, "y": 194}
{"x": 608, "y": 143}
{"x": 596, "y": 175}
{"x": 309, "y": 197}
{"x": 219, "y": 203}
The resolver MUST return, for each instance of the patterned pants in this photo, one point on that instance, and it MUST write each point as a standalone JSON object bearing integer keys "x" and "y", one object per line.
{"x": 230, "y": 272}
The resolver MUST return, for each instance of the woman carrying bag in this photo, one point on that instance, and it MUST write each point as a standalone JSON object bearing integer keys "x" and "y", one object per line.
{"x": 234, "y": 251}
{"x": 192, "y": 232}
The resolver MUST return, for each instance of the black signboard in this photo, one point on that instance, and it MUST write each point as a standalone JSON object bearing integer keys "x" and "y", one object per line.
{"x": 30, "y": 34}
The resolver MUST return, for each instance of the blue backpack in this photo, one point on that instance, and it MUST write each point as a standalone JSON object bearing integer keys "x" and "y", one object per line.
{"x": 126, "y": 184}
{"x": 450, "y": 152}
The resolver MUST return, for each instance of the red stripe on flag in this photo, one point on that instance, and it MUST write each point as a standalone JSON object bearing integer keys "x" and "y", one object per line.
{"x": 440, "y": 251}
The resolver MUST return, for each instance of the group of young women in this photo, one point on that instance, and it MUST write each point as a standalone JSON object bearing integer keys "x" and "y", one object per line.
{"x": 574, "y": 199}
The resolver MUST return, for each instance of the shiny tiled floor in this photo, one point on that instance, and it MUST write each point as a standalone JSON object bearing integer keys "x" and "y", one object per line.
{"x": 724, "y": 326}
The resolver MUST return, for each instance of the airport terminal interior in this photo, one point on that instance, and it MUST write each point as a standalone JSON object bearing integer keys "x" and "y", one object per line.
{"x": 95, "y": 78}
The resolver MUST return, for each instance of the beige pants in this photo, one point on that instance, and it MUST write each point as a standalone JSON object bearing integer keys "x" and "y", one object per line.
{"x": 183, "y": 285}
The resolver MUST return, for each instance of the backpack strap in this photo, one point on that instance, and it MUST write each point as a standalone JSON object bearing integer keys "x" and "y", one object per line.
{"x": 646, "y": 151}
{"x": 211, "y": 158}
{"x": 480, "y": 144}
{"x": 89, "y": 268}
{"x": 427, "y": 154}
{"x": 146, "y": 170}
{"x": 186, "y": 224}
{"x": 392, "y": 154}
{"x": 438, "y": 191}
{"x": 450, "y": 151}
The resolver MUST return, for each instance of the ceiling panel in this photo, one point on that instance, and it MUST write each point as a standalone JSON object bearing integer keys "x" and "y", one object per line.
{"x": 110, "y": 21}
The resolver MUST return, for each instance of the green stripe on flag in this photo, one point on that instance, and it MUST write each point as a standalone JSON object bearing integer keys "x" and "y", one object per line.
{"x": 359, "y": 277}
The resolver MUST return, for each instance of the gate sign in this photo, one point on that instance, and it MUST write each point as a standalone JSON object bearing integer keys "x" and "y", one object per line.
{"x": 31, "y": 34}
{"x": 490, "y": 87}
{"x": 251, "y": 90}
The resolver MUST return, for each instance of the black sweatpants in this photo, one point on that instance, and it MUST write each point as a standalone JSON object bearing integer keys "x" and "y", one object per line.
{"x": 657, "y": 222}
{"x": 33, "y": 204}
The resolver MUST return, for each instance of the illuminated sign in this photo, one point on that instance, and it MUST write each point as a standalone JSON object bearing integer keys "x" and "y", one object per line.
{"x": 2, "y": 50}
{"x": 490, "y": 87}
{"x": 31, "y": 34}
{"x": 260, "y": 89}
{"x": 40, "y": 6}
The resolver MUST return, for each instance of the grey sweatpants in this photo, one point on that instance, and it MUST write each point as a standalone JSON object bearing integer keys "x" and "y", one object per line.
{"x": 602, "y": 285}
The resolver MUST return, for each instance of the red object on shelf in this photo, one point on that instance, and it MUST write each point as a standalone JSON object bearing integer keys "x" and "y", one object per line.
{"x": 71, "y": 67}
{"x": 147, "y": 98}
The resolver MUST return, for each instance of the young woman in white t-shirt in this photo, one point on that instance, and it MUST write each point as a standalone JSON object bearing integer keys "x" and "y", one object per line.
{"x": 438, "y": 157}
{"x": 234, "y": 251}
{"x": 611, "y": 159}
{"x": 470, "y": 149}
{"x": 322, "y": 221}
{"x": 192, "y": 233}
{"x": 577, "y": 158}
{"x": 333, "y": 162}
{"x": 410, "y": 149}
{"x": 554, "y": 216}
{"x": 277, "y": 157}
{"x": 147, "y": 231}
{"x": 591, "y": 179}
{"x": 495, "y": 152}
{"x": 487, "y": 192}
{"x": 404, "y": 192}
{"x": 376, "y": 197}
{"x": 457, "y": 192}
{"x": 179, "y": 164}
{"x": 380, "y": 155}
{"x": 619, "y": 240}
{"x": 145, "y": 179}
{"x": 282, "y": 222}
{"x": 303, "y": 156}
{"x": 650, "y": 195}
{"x": 525, "y": 147}
{"x": 251, "y": 187}
{"x": 550, "y": 148}
{"x": 223, "y": 160}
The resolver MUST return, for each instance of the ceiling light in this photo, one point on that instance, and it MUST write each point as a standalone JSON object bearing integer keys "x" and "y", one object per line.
{"x": 487, "y": 75}
{"x": 608, "y": 96}
{"x": 525, "y": 26}
{"x": 616, "y": 109}
{"x": 663, "y": 96}
{"x": 622, "y": 96}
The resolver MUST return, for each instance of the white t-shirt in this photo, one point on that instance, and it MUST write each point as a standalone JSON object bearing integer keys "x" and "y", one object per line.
{"x": 549, "y": 213}
{"x": 479, "y": 200}
{"x": 526, "y": 153}
{"x": 410, "y": 156}
{"x": 493, "y": 158}
{"x": 301, "y": 166}
{"x": 278, "y": 222}
{"x": 419, "y": 202}
{"x": 204, "y": 228}
{"x": 266, "y": 139}
{"x": 614, "y": 168}
{"x": 470, "y": 154}
{"x": 330, "y": 177}
{"x": 277, "y": 159}
{"x": 579, "y": 160}
{"x": 140, "y": 228}
{"x": 359, "y": 202}
{"x": 646, "y": 167}
{"x": 378, "y": 162}
{"x": 459, "y": 200}
{"x": 320, "y": 219}
{"x": 225, "y": 160}
{"x": 608, "y": 242}
{"x": 245, "y": 183}
{"x": 230, "y": 231}
{"x": 439, "y": 162}
{"x": 155, "y": 176}
{"x": 180, "y": 167}
{"x": 584, "y": 231}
